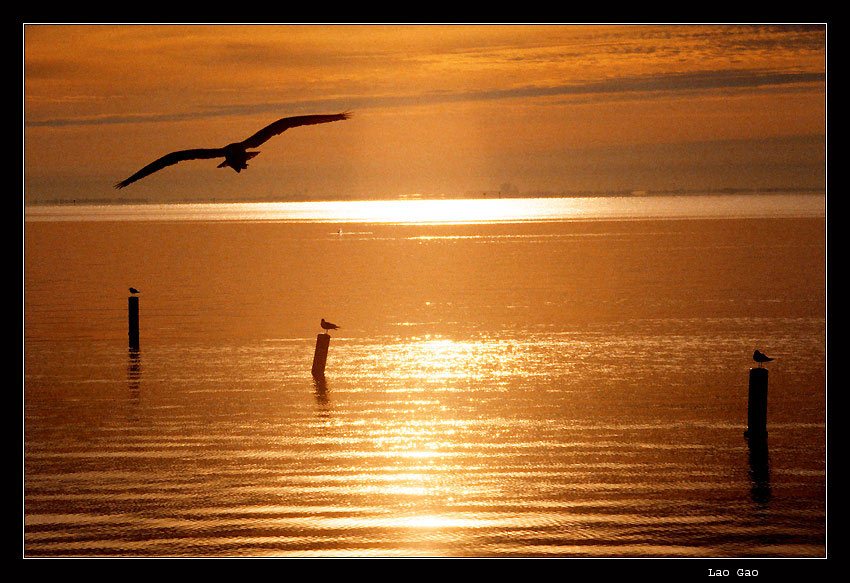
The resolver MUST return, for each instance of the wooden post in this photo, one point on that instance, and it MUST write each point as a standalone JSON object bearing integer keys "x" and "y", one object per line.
{"x": 757, "y": 406}
{"x": 133, "y": 310}
{"x": 320, "y": 357}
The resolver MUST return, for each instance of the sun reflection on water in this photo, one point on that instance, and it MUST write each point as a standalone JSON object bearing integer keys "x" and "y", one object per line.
{"x": 448, "y": 210}
{"x": 433, "y": 435}
{"x": 434, "y": 361}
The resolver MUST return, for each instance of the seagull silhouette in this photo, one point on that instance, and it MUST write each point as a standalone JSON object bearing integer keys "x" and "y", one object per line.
{"x": 236, "y": 155}
{"x": 761, "y": 358}
{"x": 328, "y": 325}
{"x": 134, "y": 291}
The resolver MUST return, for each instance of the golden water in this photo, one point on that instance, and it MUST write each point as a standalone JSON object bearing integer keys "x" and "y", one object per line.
{"x": 555, "y": 378}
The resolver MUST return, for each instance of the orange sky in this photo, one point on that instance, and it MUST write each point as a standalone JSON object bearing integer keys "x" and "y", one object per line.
{"x": 439, "y": 110}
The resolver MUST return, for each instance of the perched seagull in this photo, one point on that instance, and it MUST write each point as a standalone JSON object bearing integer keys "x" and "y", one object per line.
{"x": 235, "y": 155}
{"x": 761, "y": 358}
{"x": 328, "y": 325}
{"x": 134, "y": 291}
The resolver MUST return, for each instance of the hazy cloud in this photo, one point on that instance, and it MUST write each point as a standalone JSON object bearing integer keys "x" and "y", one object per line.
{"x": 645, "y": 86}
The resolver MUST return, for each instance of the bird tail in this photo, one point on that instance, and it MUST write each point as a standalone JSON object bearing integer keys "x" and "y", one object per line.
{"x": 248, "y": 156}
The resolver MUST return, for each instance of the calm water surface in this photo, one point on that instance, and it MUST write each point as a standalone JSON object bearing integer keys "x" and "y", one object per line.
{"x": 562, "y": 377}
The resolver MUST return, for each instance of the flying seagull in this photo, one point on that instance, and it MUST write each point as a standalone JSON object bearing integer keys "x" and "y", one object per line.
{"x": 134, "y": 291}
{"x": 236, "y": 155}
{"x": 328, "y": 325}
{"x": 761, "y": 358}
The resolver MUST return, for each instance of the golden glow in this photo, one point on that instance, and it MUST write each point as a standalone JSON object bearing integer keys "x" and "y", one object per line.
{"x": 438, "y": 109}
{"x": 482, "y": 210}
{"x": 494, "y": 388}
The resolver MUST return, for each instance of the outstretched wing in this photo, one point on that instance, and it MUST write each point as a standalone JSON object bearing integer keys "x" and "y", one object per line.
{"x": 173, "y": 158}
{"x": 284, "y": 124}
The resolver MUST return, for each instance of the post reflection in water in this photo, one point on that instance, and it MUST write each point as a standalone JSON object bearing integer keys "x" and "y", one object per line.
{"x": 134, "y": 373}
{"x": 759, "y": 469}
{"x": 323, "y": 401}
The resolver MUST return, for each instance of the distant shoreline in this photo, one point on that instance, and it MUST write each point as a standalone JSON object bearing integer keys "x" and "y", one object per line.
{"x": 478, "y": 195}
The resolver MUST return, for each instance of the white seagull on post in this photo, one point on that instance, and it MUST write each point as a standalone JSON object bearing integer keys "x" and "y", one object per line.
{"x": 761, "y": 358}
{"x": 328, "y": 326}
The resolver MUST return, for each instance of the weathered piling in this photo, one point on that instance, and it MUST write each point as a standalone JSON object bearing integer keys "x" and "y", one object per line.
{"x": 320, "y": 357}
{"x": 133, "y": 312}
{"x": 757, "y": 406}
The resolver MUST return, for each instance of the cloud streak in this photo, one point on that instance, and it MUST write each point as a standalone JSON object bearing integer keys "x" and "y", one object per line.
{"x": 643, "y": 86}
